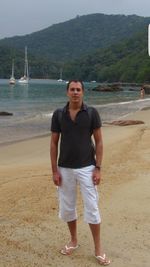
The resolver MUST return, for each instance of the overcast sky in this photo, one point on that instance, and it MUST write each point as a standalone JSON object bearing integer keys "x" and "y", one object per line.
{"x": 20, "y": 17}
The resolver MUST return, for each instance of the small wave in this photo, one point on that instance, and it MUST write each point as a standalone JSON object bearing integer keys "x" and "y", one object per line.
{"x": 41, "y": 115}
{"x": 143, "y": 101}
{"x": 47, "y": 115}
{"x": 113, "y": 111}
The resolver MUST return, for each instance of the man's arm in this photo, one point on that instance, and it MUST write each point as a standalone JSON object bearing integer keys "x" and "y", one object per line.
{"x": 97, "y": 134}
{"x": 53, "y": 155}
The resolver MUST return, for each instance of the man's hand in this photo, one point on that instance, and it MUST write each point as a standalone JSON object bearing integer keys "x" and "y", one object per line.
{"x": 96, "y": 176}
{"x": 57, "y": 178}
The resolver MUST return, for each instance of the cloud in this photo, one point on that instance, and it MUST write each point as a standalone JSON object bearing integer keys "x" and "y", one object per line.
{"x": 22, "y": 17}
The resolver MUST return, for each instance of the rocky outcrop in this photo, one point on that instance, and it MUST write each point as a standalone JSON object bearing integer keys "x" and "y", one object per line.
{"x": 5, "y": 113}
{"x": 147, "y": 88}
{"x": 146, "y": 108}
{"x": 125, "y": 122}
{"x": 108, "y": 88}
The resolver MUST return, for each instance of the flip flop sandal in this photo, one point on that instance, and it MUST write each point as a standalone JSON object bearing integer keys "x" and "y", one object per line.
{"x": 102, "y": 260}
{"x": 67, "y": 250}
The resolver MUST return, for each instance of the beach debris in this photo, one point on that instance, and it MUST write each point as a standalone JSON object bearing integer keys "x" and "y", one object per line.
{"x": 5, "y": 113}
{"x": 125, "y": 122}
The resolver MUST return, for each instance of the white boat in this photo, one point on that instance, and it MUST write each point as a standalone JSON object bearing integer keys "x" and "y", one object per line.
{"x": 60, "y": 78}
{"x": 12, "y": 79}
{"x": 25, "y": 78}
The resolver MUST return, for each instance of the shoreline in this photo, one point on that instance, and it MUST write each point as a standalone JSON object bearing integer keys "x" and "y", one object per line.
{"x": 13, "y": 133}
{"x": 31, "y": 233}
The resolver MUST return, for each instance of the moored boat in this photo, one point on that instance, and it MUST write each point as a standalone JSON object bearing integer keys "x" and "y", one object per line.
{"x": 12, "y": 79}
{"x": 60, "y": 78}
{"x": 25, "y": 79}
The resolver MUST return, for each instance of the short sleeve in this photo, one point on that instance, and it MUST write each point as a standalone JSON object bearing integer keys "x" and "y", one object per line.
{"x": 55, "y": 122}
{"x": 96, "y": 119}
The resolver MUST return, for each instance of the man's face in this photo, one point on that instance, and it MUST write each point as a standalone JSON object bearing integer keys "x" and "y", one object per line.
{"x": 75, "y": 92}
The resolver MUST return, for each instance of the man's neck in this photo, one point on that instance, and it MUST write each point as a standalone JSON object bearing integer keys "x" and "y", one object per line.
{"x": 75, "y": 106}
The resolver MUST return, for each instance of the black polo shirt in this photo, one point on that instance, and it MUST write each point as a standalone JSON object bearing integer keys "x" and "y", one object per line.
{"x": 76, "y": 146}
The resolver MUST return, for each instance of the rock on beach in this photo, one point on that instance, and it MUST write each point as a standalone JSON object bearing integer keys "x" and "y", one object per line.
{"x": 126, "y": 122}
{"x": 5, "y": 113}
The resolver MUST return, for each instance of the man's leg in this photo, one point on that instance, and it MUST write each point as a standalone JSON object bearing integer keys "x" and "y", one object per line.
{"x": 73, "y": 233}
{"x": 72, "y": 245}
{"x": 95, "y": 229}
{"x": 100, "y": 256}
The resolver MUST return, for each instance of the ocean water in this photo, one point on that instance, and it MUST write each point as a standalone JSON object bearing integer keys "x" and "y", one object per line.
{"x": 32, "y": 106}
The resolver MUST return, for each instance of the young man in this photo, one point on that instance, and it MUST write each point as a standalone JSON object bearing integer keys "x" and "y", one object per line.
{"x": 78, "y": 162}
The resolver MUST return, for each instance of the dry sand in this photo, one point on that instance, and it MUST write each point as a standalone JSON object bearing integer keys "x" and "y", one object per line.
{"x": 31, "y": 233}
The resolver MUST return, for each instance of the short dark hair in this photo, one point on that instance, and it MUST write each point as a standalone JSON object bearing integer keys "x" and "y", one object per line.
{"x": 75, "y": 81}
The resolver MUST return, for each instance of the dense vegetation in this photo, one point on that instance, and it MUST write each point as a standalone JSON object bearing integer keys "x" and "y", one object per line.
{"x": 127, "y": 61}
{"x": 39, "y": 67}
{"x": 92, "y": 47}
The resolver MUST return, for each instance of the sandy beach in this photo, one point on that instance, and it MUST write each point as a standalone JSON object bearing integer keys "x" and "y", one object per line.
{"x": 31, "y": 233}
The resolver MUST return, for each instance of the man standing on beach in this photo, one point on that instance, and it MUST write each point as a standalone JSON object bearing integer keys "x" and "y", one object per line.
{"x": 78, "y": 162}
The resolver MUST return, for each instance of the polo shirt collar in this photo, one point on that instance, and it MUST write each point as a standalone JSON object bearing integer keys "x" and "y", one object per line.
{"x": 83, "y": 107}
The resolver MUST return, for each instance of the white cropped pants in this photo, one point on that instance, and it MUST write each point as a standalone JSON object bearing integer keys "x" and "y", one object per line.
{"x": 68, "y": 192}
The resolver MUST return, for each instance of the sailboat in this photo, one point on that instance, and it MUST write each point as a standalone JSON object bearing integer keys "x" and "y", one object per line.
{"x": 25, "y": 78}
{"x": 12, "y": 79}
{"x": 60, "y": 78}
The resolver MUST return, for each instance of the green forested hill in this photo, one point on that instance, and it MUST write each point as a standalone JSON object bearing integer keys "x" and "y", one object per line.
{"x": 83, "y": 34}
{"x": 92, "y": 47}
{"x": 127, "y": 61}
